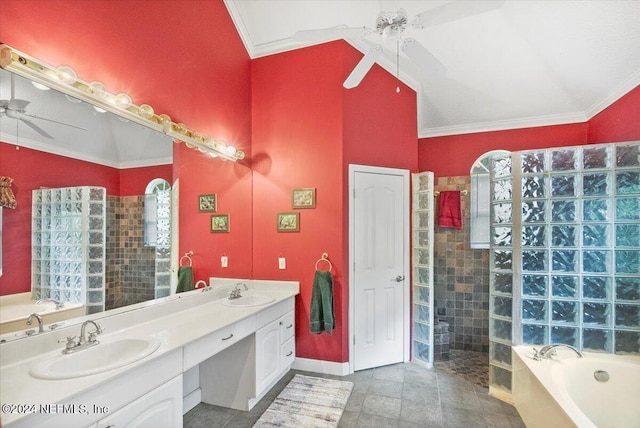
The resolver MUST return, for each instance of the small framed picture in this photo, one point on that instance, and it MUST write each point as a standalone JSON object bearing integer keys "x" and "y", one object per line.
{"x": 207, "y": 203}
{"x": 220, "y": 223}
{"x": 288, "y": 222}
{"x": 304, "y": 198}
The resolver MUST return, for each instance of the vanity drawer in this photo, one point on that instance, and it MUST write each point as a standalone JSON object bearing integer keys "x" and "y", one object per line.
{"x": 202, "y": 349}
{"x": 288, "y": 326}
{"x": 288, "y": 353}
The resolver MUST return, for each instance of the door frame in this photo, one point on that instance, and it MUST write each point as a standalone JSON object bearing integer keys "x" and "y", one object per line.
{"x": 406, "y": 233}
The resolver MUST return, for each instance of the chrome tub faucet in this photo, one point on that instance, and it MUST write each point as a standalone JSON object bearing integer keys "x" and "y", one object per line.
{"x": 550, "y": 351}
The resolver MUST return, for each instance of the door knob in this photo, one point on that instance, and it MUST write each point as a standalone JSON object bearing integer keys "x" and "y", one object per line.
{"x": 398, "y": 278}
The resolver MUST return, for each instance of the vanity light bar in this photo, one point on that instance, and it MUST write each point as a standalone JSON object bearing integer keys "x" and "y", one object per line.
{"x": 64, "y": 79}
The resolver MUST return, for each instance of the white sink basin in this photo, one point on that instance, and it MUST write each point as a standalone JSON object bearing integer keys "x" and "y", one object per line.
{"x": 248, "y": 301}
{"x": 98, "y": 359}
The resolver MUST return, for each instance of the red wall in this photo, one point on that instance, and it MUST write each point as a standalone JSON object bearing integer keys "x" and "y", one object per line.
{"x": 182, "y": 57}
{"x": 453, "y": 155}
{"x": 618, "y": 122}
{"x": 32, "y": 169}
{"x": 306, "y": 130}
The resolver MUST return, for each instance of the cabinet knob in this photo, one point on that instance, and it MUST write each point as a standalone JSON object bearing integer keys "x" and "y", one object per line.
{"x": 290, "y": 325}
{"x": 228, "y": 337}
{"x": 288, "y": 355}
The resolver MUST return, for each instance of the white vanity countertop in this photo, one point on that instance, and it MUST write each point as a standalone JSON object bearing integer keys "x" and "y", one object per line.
{"x": 174, "y": 331}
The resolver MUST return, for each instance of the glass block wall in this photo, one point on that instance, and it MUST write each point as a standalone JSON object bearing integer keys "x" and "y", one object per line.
{"x": 163, "y": 242}
{"x": 68, "y": 245}
{"x": 565, "y": 262}
{"x": 422, "y": 243}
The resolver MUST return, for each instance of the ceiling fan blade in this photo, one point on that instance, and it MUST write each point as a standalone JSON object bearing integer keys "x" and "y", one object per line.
{"x": 453, "y": 11}
{"x": 36, "y": 128}
{"x": 363, "y": 67}
{"x": 54, "y": 121}
{"x": 18, "y": 104}
{"x": 328, "y": 34}
{"x": 421, "y": 57}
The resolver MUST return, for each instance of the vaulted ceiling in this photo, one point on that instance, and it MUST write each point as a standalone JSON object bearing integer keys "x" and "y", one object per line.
{"x": 519, "y": 64}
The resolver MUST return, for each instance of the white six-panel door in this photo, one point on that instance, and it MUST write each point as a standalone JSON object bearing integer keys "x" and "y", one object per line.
{"x": 379, "y": 273}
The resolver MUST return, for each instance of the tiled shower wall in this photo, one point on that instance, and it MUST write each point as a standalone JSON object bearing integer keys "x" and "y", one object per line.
{"x": 461, "y": 279}
{"x": 130, "y": 266}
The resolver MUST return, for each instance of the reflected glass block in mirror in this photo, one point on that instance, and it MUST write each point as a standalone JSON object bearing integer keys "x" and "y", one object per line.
{"x": 628, "y": 235}
{"x": 534, "y": 261}
{"x": 533, "y": 212}
{"x": 596, "y": 261}
{"x": 627, "y": 316}
{"x": 595, "y": 210}
{"x": 628, "y": 288}
{"x": 627, "y": 182}
{"x": 627, "y": 261}
{"x": 628, "y": 208}
{"x": 563, "y": 211}
{"x": 563, "y": 236}
{"x": 534, "y": 236}
{"x": 596, "y": 184}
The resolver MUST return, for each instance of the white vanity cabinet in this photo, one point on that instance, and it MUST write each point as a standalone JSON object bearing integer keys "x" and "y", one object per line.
{"x": 158, "y": 408}
{"x": 275, "y": 350}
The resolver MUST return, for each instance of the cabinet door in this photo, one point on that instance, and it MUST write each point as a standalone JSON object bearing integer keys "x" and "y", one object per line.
{"x": 158, "y": 408}
{"x": 268, "y": 349}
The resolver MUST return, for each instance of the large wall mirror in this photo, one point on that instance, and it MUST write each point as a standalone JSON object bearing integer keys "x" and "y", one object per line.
{"x": 51, "y": 145}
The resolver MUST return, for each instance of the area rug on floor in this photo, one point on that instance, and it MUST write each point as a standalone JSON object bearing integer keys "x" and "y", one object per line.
{"x": 307, "y": 402}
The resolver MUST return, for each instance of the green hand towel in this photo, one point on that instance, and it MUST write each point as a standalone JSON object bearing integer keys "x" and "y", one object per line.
{"x": 321, "y": 317}
{"x": 185, "y": 279}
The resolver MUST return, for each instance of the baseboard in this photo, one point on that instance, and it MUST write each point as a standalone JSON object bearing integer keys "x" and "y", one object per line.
{"x": 321, "y": 366}
{"x": 191, "y": 400}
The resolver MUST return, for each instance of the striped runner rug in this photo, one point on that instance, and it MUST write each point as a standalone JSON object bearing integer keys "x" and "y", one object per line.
{"x": 307, "y": 402}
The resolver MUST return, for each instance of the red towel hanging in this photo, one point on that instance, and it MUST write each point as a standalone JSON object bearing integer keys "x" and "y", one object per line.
{"x": 449, "y": 211}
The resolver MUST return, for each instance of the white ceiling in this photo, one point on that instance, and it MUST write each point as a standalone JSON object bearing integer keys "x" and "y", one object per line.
{"x": 526, "y": 63}
{"x": 108, "y": 139}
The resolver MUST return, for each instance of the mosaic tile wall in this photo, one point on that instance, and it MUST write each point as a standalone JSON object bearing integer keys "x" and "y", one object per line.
{"x": 130, "y": 266}
{"x": 461, "y": 277}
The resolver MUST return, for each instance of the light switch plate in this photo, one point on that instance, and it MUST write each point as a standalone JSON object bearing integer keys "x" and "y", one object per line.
{"x": 282, "y": 263}
{"x": 224, "y": 261}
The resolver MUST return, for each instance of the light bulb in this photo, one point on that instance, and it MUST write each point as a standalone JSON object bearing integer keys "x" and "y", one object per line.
{"x": 97, "y": 89}
{"x": 240, "y": 155}
{"x": 123, "y": 100}
{"x": 167, "y": 125}
{"x": 66, "y": 74}
{"x": 146, "y": 111}
{"x": 40, "y": 86}
{"x": 181, "y": 128}
{"x": 230, "y": 150}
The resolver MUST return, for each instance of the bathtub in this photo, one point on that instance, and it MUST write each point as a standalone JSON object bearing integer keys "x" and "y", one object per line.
{"x": 16, "y": 308}
{"x": 563, "y": 391}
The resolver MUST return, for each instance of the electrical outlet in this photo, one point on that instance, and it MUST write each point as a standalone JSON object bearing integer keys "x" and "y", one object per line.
{"x": 224, "y": 261}
{"x": 282, "y": 263}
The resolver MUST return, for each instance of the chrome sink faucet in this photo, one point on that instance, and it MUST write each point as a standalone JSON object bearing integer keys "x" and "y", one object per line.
{"x": 83, "y": 342}
{"x": 59, "y": 304}
{"x": 40, "y": 323}
{"x": 550, "y": 351}
{"x": 235, "y": 293}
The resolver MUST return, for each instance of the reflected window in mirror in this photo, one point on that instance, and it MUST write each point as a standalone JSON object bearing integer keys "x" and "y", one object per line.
{"x": 157, "y": 232}
{"x": 480, "y": 224}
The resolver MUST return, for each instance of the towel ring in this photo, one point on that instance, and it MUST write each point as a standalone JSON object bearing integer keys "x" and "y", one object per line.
{"x": 188, "y": 257}
{"x": 325, "y": 257}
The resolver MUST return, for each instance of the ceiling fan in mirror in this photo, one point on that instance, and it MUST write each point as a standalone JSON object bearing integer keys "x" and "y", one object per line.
{"x": 388, "y": 32}
{"x": 16, "y": 108}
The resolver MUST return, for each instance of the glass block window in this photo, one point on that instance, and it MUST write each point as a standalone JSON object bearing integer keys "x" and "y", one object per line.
{"x": 422, "y": 229}
{"x": 157, "y": 232}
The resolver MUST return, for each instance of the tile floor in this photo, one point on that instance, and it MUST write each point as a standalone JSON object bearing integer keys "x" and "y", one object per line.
{"x": 399, "y": 395}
